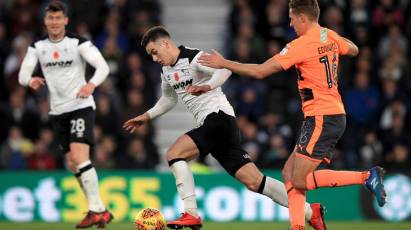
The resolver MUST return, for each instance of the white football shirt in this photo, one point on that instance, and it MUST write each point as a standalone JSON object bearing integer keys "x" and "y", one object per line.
{"x": 64, "y": 64}
{"x": 187, "y": 71}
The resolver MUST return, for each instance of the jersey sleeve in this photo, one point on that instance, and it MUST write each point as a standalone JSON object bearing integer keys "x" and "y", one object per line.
{"x": 93, "y": 56}
{"x": 27, "y": 66}
{"x": 218, "y": 76}
{"x": 293, "y": 53}
{"x": 197, "y": 66}
{"x": 343, "y": 45}
{"x": 167, "y": 90}
{"x": 166, "y": 102}
{"x": 88, "y": 51}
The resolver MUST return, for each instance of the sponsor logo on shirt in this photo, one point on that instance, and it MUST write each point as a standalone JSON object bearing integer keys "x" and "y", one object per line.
{"x": 183, "y": 84}
{"x": 58, "y": 63}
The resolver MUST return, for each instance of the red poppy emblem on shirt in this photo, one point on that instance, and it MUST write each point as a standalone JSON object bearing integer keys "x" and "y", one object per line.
{"x": 56, "y": 55}
{"x": 176, "y": 77}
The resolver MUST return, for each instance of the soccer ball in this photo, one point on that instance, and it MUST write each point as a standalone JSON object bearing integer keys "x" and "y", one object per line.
{"x": 149, "y": 219}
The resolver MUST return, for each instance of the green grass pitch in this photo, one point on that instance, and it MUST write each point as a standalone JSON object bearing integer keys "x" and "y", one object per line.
{"x": 223, "y": 226}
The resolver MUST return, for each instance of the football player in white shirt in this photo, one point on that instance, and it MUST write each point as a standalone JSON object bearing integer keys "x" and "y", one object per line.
{"x": 217, "y": 134}
{"x": 63, "y": 57}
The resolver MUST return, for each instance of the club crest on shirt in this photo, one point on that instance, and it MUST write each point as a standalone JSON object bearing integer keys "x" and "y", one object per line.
{"x": 176, "y": 77}
{"x": 186, "y": 72}
{"x": 285, "y": 50}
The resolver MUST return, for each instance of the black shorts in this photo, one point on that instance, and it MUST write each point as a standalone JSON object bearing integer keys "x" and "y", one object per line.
{"x": 75, "y": 126}
{"x": 220, "y": 136}
{"x": 319, "y": 135}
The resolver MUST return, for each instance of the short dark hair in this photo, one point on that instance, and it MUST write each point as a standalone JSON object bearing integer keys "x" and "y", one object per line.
{"x": 56, "y": 6}
{"x": 307, "y": 7}
{"x": 153, "y": 34}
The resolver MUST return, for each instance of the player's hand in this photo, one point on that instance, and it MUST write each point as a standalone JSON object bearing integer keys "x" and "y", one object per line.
{"x": 86, "y": 90}
{"x": 36, "y": 83}
{"x": 132, "y": 124}
{"x": 197, "y": 90}
{"x": 214, "y": 60}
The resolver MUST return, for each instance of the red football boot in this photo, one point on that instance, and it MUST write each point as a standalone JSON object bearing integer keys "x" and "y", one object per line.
{"x": 186, "y": 221}
{"x": 100, "y": 219}
{"x": 317, "y": 219}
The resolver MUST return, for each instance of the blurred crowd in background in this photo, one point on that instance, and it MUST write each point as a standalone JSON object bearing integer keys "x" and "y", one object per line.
{"x": 375, "y": 86}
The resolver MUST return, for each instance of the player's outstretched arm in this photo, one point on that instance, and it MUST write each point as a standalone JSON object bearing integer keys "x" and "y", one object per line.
{"x": 163, "y": 105}
{"x": 132, "y": 124}
{"x": 258, "y": 71}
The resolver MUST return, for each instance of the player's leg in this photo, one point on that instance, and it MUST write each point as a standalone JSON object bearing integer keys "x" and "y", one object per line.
{"x": 254, "y": 180}
{"x": 72, "y": 168}
{"x": 183, "y": 150}
{"x": 61, "y": 128}
{"x": 314, "y": 141}
{"x": 79, "y": 156}
{"x": 372, "y": 179}
{"x": 87, "y": 176}
{"x": 332, "y": 129}
{"x": 333, "y": 178}
{"x": 321, "y": 135}
{"x": 288, "y": 168}
{"x": 81, "y": 124}
{"x": 238, "y": 164}
{"x": 296, "y": 191}
{"x": 199, "y": 141}
{"x": 314, "y": 212}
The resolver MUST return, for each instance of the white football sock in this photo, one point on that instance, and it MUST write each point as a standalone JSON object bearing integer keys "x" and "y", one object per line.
{"x": 89, "y": 182}
{"x": 185, "y": 186}
{"x": 81, "y": 184}
{"x": 275, "y": 189}
{"x": 77, "y": 174}
{"x": 308, "y": 212}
